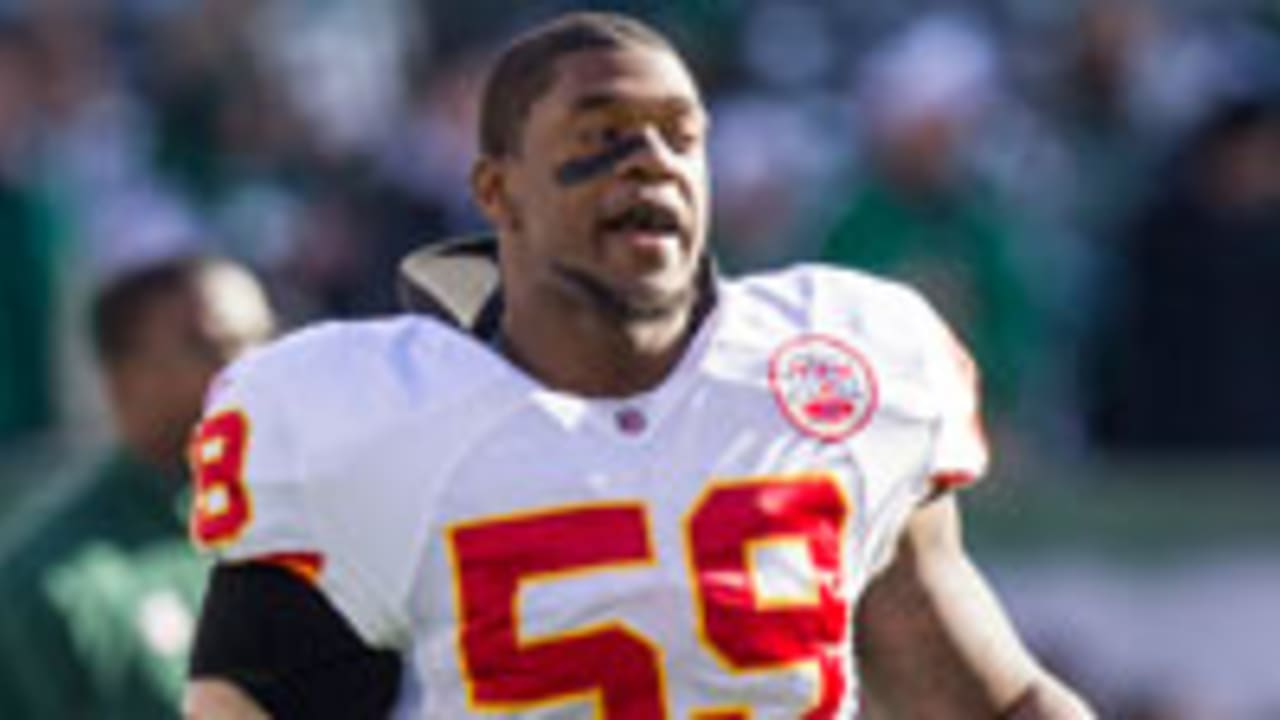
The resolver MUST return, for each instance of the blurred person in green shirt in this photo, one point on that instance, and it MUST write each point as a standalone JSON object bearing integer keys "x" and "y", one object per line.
{"x": 921, "y": 214}
{"x": 100, "y": 593}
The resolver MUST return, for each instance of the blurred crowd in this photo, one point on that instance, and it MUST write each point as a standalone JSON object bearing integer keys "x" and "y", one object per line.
{"x": 1089, "y": 190}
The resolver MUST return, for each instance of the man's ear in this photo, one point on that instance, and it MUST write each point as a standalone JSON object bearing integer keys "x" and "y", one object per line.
{"x": 489, "y": 188}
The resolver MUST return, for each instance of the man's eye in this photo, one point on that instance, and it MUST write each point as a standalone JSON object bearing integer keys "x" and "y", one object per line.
{"x": 599, "y": 137}
{"x": 681, "y": 136}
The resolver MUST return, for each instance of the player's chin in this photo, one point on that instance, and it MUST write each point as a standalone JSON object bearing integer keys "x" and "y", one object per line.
{"x": 652, "y": 304}
{"x": 651, "y": 273}
{"x": 661, "y": 293}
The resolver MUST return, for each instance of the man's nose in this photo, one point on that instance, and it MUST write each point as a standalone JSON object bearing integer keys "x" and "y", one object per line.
{"x": 652, "y": 157}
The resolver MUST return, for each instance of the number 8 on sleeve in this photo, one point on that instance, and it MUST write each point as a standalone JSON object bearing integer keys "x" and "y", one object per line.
{"x": 222, "y": 507}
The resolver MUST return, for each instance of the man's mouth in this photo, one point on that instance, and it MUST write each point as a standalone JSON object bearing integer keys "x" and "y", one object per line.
{"x": 644, "y": 219}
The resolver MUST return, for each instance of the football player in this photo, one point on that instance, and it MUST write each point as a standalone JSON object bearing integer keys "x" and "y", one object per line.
{"x": 624, "y": 489}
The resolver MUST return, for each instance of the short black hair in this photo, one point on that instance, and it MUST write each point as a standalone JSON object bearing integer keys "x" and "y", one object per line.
{"x": 119, "y": 307}
{"x": 526, "y": 69}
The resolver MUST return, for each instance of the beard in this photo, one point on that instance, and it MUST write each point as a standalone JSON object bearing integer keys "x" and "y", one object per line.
{"x": 628, "y": 306}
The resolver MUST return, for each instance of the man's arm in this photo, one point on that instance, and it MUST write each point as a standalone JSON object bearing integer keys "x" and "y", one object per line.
{"x": 935, "y": 643}
{"x": 219, "y": 700}
{"x": 268, "y": 644}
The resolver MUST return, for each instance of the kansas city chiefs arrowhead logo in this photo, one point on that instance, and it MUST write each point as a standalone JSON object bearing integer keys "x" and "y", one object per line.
{"x": 824, "y": 386}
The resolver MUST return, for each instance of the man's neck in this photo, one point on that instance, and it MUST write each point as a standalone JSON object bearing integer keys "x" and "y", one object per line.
{"x": 152, "y": 450}
{"x": 576, "y": 350}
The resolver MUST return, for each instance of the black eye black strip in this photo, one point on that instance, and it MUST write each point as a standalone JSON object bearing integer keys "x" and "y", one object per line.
{"x": 583, "y": 169}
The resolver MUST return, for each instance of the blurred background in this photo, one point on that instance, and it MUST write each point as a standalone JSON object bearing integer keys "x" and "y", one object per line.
{"x": 1088, "y": 189}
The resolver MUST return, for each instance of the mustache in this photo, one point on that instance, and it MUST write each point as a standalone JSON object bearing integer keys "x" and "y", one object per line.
{"x": 644, "y": 215}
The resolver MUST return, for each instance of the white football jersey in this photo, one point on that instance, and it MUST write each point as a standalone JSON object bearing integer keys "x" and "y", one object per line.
{"x": 691, "y": 553}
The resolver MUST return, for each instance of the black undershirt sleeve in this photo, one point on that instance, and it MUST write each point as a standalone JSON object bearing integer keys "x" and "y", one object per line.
{"x": 278, "y": 639}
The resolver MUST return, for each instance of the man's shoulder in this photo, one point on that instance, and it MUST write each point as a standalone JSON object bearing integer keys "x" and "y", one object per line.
{"x": 829, "y": 296}
{"x": 76, "y": 574}
{"x": 807, "y": 277}
{"x": 338, "y": 358}
{"x": 333, "y": 343}
{"x": 888, "y": 323}
{"x": 55, "y": 521}
{"x": 324, "y": 392}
